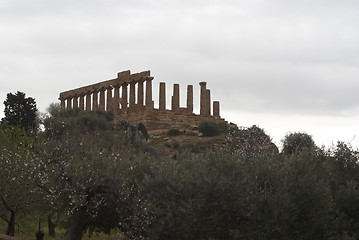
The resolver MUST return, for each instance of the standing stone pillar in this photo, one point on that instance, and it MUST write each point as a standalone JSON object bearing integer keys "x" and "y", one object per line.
{"x": 132, "y": 94}
{"x": 95, "y": 100}
{"x": 116, "y": 98}
{"x": 175, "y": 97}
{"x": 140, "y": 93}
{"x": 162, "y": 96}
{"x": 102, "y": 99}
{"x": 69, "y": 103}
{"x": 208, "y": 102}
{"x": 124, "y": 96}
{"x": 109, "y": 99}
{"x": 216, "y": 108}
{"x": 149, "y": 101}
{"x": 203, "y": 109}
{"x": 62, "y": 104}
{"x": 75, "y": 102}
{"x": 88, "y": 101}
{"x": 190, "y": 98}
{"x": 82, "y": 102}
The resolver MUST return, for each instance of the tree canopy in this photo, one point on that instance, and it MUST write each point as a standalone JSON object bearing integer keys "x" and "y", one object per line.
{"x": 20, "y": 110}
{"x": 98, "y": 179}
{"x": 296, "y": 142}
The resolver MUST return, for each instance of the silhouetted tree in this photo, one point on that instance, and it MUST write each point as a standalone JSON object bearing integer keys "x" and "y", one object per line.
{"x": 20, "y": 110}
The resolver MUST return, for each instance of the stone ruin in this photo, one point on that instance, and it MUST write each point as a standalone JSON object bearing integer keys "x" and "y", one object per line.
{"x": 106, "y": 96}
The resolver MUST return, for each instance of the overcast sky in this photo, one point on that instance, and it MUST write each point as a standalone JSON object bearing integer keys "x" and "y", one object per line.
{"x": 284, "y": 65}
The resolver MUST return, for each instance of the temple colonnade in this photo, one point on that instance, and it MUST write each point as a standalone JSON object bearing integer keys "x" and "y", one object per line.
{"x": 106, "y": 95}
{"x": 112, "y": 95}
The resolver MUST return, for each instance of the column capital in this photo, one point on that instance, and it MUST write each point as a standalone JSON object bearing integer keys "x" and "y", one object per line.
{"x": 203, "y": 84}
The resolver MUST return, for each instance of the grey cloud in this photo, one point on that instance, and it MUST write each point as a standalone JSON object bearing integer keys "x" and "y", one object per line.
{"x": 275, "y": 56}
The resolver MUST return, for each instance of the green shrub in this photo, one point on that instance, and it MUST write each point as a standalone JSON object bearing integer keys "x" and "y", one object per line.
{"x": 173, "y": 132}
{"x": 223, "y": 127}
{"x": 208, "y": 128}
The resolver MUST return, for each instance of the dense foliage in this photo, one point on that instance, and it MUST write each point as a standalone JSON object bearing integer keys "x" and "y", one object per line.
{"x": 296, "y": 142}
{"x": 208, "y": 128}
{"x": 61, "y": 122}
{"x": 247, "y": 143}
{"x": 97, "y": 180}
{"x": 20, "y": 110}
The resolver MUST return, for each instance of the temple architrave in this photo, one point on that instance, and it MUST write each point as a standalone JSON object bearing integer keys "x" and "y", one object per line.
{"x": 112, "y": 95}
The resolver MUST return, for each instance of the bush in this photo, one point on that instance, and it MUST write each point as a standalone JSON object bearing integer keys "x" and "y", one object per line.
{"x": 208, "y": 128}
{"x": 296, "y": 142}
{"x": 62, "y": 121}
{"x": 223, "y": 127}
{"x": 173, "y": 132}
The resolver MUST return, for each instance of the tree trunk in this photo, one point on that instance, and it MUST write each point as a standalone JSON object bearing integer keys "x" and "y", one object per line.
{"x": 40, "y": 235}
{"x": 76, "y": 225}
{"x": 11, "y": 225}
{"x": 51, "y": 225}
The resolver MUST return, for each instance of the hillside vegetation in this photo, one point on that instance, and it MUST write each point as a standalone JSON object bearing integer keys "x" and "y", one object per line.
{"x": 80, "y": 175}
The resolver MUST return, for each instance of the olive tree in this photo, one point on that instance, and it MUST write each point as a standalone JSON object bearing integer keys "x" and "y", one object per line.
{"x": 296, "y": 142}
{"x": 83, "y": 163}
{"x": 18, "y": 191}
{"x": 250, "y": 142}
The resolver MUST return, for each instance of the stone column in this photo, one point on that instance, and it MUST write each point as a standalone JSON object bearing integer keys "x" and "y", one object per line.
{"x": 75, "y": 103}
{"x": 149, "y": 102}
{"x": 208, "y": 102}
{"x": 109, "y": 99}
{"x": 190, "y": 98}
{"x": 95, "y": 100}
{"x": 116, "y": 98}
{"x": 175, "y": 97}
{"x": 102, "y": 99}
{"x": 132, "y": 94}
{"x": 203, "y": 109}
{"x": 124, "y": 96}
{"x": 88, "y": 101}
{"x": 62, "y": 104}
{"x": 216, "y": 108}
{"x": 69, "y": 103}
{"x": 82, "y": 102}
{"x": 140, "y": 93}
{"x": 162, "y": 96}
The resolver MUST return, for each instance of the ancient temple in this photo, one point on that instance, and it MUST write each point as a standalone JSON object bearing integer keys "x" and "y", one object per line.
{"x": 119, "y": 95}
